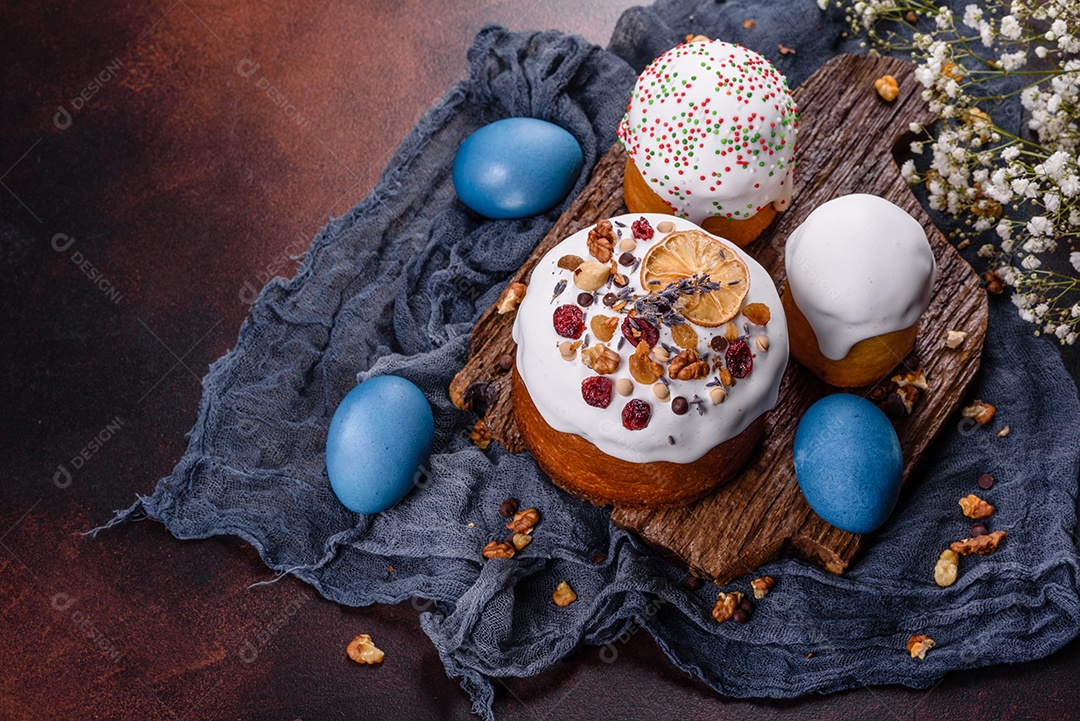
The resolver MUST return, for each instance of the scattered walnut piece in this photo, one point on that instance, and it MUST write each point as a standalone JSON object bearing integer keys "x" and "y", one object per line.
{"x": 784, "y": 49}
{"x": 590, "y": 275}
{"x": 603, "y": 327}
{"x": 362, "y": 650}
{"x": 954, "y": 339}
{"x": 757, "y": 313}
{"x": 979, "y": 545}
{"x": 696, "y": 39}
{"x": 994, "y": 283}
{"x": 887, "y": 87}
{"x": 510, "y": 298}
{"x": 524, "y": 521}
{"x": 762, "y": 586}
{"x": 480, "y": 435}
{"x": 726, "y": 603}
{"x": 1003, "y": 432}
{"x": 912, "y": 378}
{"x": 919, "y": 644}
{"x": 520, "y": 540}
{"x": 570, "y": 262}
{"x": 909, "y": 396}
{"x": 975, "y": 507}
{"x": 749, "y": 23}
{"x": 688, "y": 366}
{"x": 946, "y": 568}
{"x": 498, "y": 549}
{"x": 563, "y": 594}
{"x": 601, "y": 241}
{"x": 981, "y": 412}
{"x": 644, "y": 369}
{"x": 601, "y": 359}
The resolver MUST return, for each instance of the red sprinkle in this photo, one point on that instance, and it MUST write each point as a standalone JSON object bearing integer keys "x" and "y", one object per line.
{"x": 596, "y": 391}
{"x": 569, "y": 321}
{"x": 636, "y": 415}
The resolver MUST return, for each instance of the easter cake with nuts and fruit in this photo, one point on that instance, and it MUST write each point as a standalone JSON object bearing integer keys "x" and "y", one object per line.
{"x": 648, "y": 354}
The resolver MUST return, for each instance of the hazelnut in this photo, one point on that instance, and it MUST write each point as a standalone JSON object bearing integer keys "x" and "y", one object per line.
{"x": 591, "y": 275}
{"x": 624, "y": 386}
{"x": 627, "y": 245}
{"x": 661, "y": 391}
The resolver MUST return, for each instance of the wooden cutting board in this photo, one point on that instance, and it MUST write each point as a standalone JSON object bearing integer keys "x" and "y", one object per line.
{"x": 846, "y": 139}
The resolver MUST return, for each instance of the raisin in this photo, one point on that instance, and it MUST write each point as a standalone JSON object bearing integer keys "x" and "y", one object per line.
{"x": 596, "y": 391}
{"x": 636, "y": 415}
{"x": 641, "y": 229}
{"x": 569, "y": 321}
{"x": 738, "y": 358}
{"x": 636, "y": 330}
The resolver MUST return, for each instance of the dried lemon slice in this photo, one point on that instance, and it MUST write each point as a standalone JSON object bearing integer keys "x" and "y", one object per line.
{"x": 692, "y": 252}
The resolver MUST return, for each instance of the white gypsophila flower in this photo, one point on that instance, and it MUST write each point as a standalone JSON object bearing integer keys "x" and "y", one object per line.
{"x": 1074, "y": 258}
{"x": 823, "y": 4}
{"x": 1061, "y": 331}
{"x": 1074, "y": 218}
{"x": 1070, "y": 187}
{"x": 1008, "y": 274}
{"x": 986, "y": 34}
{"x": 983, "y": 224}
{"x": 1059, "y": 27}
{"x": 944, "y": 18}
{"x": 1070, "y": 339}
{"x": 986, "y": 251}
{"x": 1034, "y": 245}
{"x": 973, "y": 14}
{"x": 1052, "y": 202}
{"x": 917, "y": 148}
{"x": 1074, "y": 312}
{"x": 1010, "y": 153}
{"x": 1013, "y": 61}
{"x": 1041, "y": 309}
{"x": 1069, "y": 44}
{"x": 1040, "y": 51}
{"x": 1004, "y": 231}
{"x": 908, "y": 172}
{"x": 1010, "y": 27}
{"x": 1040, "y": 225}
{"x": 1031, "y": 262}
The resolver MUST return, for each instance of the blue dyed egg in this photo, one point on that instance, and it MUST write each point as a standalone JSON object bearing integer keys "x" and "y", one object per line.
{"x": 848, "y": 462}
{"x": 516, "y": 167}
{"x": 379, "y": 438}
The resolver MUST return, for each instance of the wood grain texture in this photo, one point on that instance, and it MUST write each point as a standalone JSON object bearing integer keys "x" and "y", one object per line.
{"x": 846, "y": 137}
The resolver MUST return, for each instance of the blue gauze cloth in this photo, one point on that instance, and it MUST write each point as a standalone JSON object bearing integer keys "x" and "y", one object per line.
{"x": 395, "y": 286}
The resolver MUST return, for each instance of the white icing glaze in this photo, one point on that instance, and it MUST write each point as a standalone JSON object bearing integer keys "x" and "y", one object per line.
{"x": 555, "y": 384}
{"x": 716, "y": 140}
{"x": 859, "y": 267}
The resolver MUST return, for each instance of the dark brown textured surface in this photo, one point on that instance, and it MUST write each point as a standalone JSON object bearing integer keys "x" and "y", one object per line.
{"x": 761, "y": 513}
{"x": 183, "y": 184}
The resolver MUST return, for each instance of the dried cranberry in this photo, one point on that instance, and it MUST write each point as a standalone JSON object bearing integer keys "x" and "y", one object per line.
{"x": 569, "y": 321}
{"x": 636, "y": 330}
{"x": 596, "y": 391}
{"x": 641, "y": 229}
{"x": 738, "y": 358}
{"x": 636, "y": 415}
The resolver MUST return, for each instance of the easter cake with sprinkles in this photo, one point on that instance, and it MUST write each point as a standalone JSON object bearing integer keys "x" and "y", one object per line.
{"x": 710, "y": 133}
{"x": 648, "y": 354}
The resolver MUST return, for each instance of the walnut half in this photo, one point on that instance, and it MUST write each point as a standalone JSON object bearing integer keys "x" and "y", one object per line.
{"x": 919, "y": 644}
{"x": 601, "y": 241}
{"x": 975, "y": 507}
{"x": 688, "y": 366}
{"x": 979, "y": 545}
{"x": 601, "y": 359}
{"x": 726, "y": 603}
{"x": 362, "y": 650}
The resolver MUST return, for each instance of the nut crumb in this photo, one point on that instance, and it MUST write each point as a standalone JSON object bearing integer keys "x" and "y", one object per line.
{"x": 946, "y": 568}
{"x": 362, "y": 650}
{"x": 510, "y": 298}
{"x": 498, "y": 549}
{"x": 726, "y": 603}
{"x": 480, "y": 435}
{"x": 1003, "y": 432}
{"x": 919, "y": 644}
{"x": 981, "y": 412}
{"x": 524, "y": 521}
{"x": 913, "y": 378}
{"x": 994, "y": 284}
{"x": 911, "y": 17}
{"x": 909, "y": 396}
{"x": 975, "y": 507}
{"x": 570, "y": 262}
{"x": 979, "y": 545}
{"x": 784, "y": 49}
{"x": 887, "y": 87}
{"x": 762, "y": 586}
{"x": 954, "y": 339}
{"x": 563, "y": 594}
{"x": 749, "y": 23}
